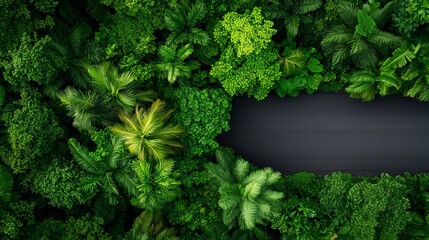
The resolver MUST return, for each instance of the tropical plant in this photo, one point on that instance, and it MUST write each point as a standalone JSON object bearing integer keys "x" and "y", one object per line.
{"x": 358, "y": 34}
{"x": 245, "y": 197}
{"x": 172, "y": 62}
{"x": 150, "y": 226}
{"x": 146, "y": 133}
{"x": 182, "y": 21}
{"x": 291, "y": 12}
{"x": 156, "y": 184}
{"x": 109, "y": 93}
{"x": 107, "y": 174}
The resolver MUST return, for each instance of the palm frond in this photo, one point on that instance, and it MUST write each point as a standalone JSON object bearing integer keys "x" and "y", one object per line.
{"x": 230, "y": 196}
{"x": 220, "y": 174}
{"x": 241, "y": 169}
{"x": 174, "y": 19}
{"x": 338, "y": 34}
{"x": 382, "y": 15}
{"x": 78, "y": 35}
{"x": 184, "y": 52}
{"x": 198, "y": 36}
{"x": 196, "y": 13}
{"x": 340, "y": 53}
{"x": 83, "y": 158}
{"x": 400, "y": 57}
{"x": 292, "y": 24}
{"x": 248, "y": 213}
{"x": 306, "y": 6}
{"x": 387, "y": 80}
{"x": 384, "y": 39}
{"x": 348, "y": 13}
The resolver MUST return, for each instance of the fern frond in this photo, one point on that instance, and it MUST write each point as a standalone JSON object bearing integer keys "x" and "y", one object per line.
{"x": 241, "y": 169}
{"x": 248, "y": 213}
{"x": 381, "y": 16}
{"x": 174, "y": 20}
{"x": 78, "y": 35}
{"x": 338, "y": 34}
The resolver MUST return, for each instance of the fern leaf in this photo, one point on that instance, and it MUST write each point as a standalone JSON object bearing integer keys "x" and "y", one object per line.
{"x": 381, "y": 16}
{"x": 384, "y": 39}
{"x": 248, "y": 214}
{"x": 241, "y": 169}
{"x": 339, "y": 34}
{"x": 306, "y": 6}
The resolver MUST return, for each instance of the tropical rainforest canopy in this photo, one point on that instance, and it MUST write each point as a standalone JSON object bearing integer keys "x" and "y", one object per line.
{"x": 109, "y": 112}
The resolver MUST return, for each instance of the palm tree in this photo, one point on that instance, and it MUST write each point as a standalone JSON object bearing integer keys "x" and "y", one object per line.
{"x": 109, "y": 92}
{"x": 146, "y": 133}
{"x": 291, "y": 12}
{"x": 156, "y": 184}
{"x": 173, "y": 65}
{"x": 150, "y": 226}
{"x": 182, "y": 21}
{"x": 245, "y": 196}
{"x": 357, "y": 34}
{"x": 108, "y": 175}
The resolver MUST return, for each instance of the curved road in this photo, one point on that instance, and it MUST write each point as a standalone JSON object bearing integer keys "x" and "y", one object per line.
{"x": 327, "y": 132}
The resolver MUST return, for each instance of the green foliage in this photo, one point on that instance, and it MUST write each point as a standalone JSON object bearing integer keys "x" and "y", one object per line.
{"x": 255, "y": 74}
{"x": 203, "y": 114}
{"x": 156, "y": 184}
{"x": 173, "y": 65}
{"x": 362, "y": 44}
{"x": 147, "y": 133}
{"x": 38, "y": 60}
{"x": 150, "y": 225}
{"x": 32, "y": 125}
{"x": 2, "y": 95}
{"x": 182, "y": 21}
{"x": 292, "y": 13}
{"x": 107, "y": 174}
{"x": 85, "y": 227}
{"x": 365, "y": 210}
{"x": 409, "y": 15}
{"x": 18, "y": 217}
{"x": 245, "y": 197}
{"x": 127, "y": 35}
{"x": 59, "y": 182}
{"x": 247, "y": 33}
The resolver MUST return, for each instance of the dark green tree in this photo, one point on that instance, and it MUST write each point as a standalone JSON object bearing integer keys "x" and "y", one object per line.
{"x": 245, "y": 197}
{"x": 156, "y": 185}
{"x": 109, "y": 171}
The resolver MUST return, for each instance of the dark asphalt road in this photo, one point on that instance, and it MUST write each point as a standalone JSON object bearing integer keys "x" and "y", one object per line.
{"x": 327, "y": 132}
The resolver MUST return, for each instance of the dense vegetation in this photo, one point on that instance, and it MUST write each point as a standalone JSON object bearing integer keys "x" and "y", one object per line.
{"x": 109, "y": 112}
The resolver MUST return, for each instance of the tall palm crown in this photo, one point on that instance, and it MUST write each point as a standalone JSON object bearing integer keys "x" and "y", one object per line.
{"x": 245, "y": 196}
{"x": 357, "y": 34}
{"x": 109, "y": 92}
{"x": 146, "y": 133}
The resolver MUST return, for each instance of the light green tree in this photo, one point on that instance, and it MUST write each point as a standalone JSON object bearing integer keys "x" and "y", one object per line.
{"x": 147, "y": 134}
